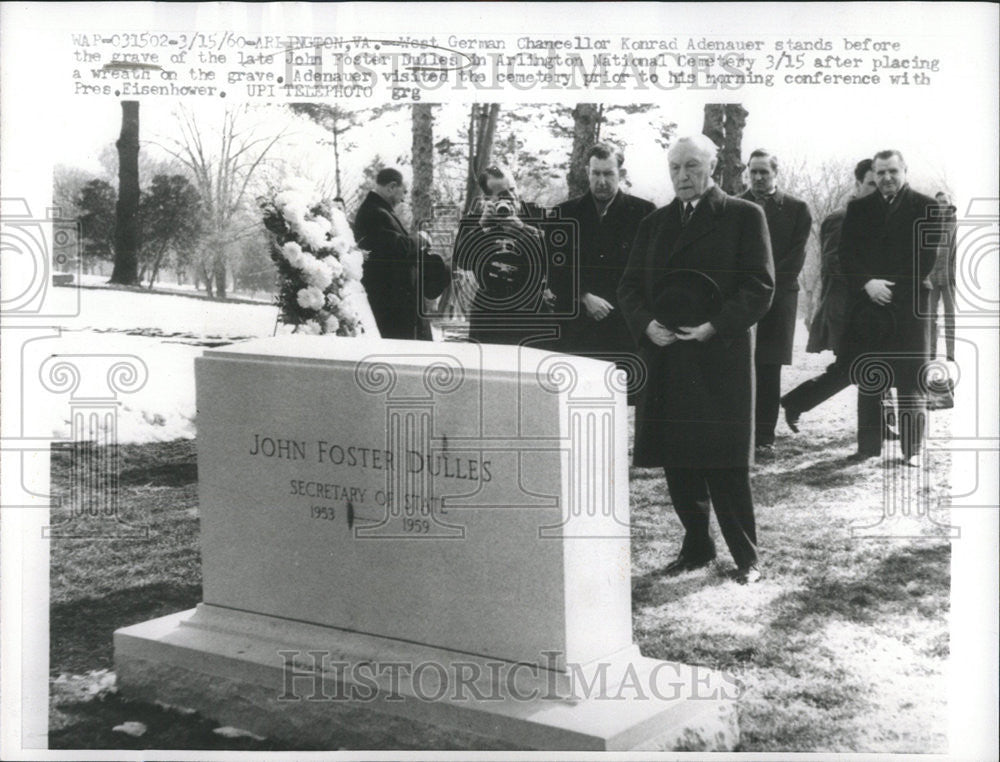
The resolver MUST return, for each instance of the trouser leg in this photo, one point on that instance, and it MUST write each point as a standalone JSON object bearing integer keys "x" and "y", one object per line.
{"x": 733, "y": 501}
{"x": 932, "y": 322}
{"x": 869, "y": 423}
{"x": 768, "y": 397}
{"x": 818, "y": 389}
{"x": 911, "y": 407}
{"x": 948, "y": 296}
{"x": 689, "y": 494}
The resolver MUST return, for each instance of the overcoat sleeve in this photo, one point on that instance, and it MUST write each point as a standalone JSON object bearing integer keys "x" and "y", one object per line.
{"x": 754, "y": 269}
{"x": 852, "y": 264}
{"x": 797, "y": 247}
{"x": 829, "y": 236}
{"x": 391, "y": 243}
{"x": 631, "y": 298}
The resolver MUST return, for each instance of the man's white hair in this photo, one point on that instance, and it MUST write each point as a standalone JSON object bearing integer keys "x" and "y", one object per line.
{"x": 703, "y": 144}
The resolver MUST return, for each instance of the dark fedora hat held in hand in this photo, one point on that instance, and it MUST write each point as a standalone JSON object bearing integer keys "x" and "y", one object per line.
{"x": 686, "y": 298}
{"x": 871, "y": 324}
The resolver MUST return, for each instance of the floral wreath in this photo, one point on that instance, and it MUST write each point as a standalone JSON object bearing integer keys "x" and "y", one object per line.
{"x": 319, "y": 264}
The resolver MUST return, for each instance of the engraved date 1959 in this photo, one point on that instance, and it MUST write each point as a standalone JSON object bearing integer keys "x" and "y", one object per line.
{"x": 322, "y": 512}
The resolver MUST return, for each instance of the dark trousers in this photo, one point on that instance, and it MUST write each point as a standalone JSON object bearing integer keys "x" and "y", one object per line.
{"x": 875, "y": 411}
{"x": 768, "y": 397}
{"x": 818, "y": 389}
{"x": 944, "y": 294}
{"x": 694, "y": 490}
{"x": 911, "y": 417}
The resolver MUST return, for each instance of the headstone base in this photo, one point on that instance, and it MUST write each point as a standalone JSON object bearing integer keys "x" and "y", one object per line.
{"x": 340, "y": 689}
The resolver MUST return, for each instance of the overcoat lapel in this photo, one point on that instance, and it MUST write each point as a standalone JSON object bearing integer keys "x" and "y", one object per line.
{"x": 702, "y": 222}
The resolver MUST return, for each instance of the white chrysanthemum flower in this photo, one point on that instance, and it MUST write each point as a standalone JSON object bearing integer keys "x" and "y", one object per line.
{"x": 332, "y": 324}
{"x": 311, "y": 327}
{"x": 336, "y": 268}
{"x": 340, "y": 245}
{"x": 312, "y": 234}
{"x": 348, "y": 313}
{"x": 292, "y": 252}
{"x": 318, "y": 274}
{"x": 341, "y": 227}
{"x": 293, "y": 205}
{"x": 310, "y": 298}
{"x": 353, "y": 262}
{"x": 332, "y": 300}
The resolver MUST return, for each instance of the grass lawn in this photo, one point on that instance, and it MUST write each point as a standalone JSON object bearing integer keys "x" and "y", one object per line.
{"x": 841, "y": 647}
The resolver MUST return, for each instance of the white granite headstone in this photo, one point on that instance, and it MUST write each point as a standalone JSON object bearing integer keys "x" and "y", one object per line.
{"x": 455, "y": 501}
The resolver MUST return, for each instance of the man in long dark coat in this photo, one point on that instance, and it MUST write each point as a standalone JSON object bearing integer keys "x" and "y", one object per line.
{"x": 607, "y": 220}
{"x": 390, "y": 272}
{"x": 502, "y": 244}
{"x": 695, "y": 416}
{"x": 886, "y": 262}
{"x": 830, "y": 321}
{"x": 788, "y": 222}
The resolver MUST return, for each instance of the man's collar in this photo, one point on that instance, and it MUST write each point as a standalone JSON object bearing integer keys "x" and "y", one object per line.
{"x": 604, "y": 209}
{"x": 775, "y": 195}
{"x": 705, "y": 194}
{"x": 383, "y": 200}
{"x": 904, "y": 188}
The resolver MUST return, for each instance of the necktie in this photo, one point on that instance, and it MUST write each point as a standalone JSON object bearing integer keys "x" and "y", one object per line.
{"x": 686, "y": 214}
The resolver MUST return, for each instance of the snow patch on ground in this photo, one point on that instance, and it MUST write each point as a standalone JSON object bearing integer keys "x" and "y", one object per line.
{"x": 158, "y": 335}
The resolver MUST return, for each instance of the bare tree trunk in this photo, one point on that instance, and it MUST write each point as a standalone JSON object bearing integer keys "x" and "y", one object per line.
{"x": 724, "y": 124}
{"x": 126, "y": 270}
{"x": 713, "y": 125}
{"x": 482, "y": 139}
{"x": 206, "y": 276}
{"x": 586, "y": 119}
{"x": 155, "y": 267}
{"x": 336, "y": 159}
{"x": 423, "y": 163}
{"x": 732, "y": 152}
{"x": 219, "y": 274}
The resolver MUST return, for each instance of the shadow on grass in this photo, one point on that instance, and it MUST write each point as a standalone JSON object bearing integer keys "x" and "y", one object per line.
{"x": 167, "y": 475}
{"x": 655, "y": 588}
{"x": 81, "y": 630}
{"x": 914, "y": 580}
{"x": 88, "y": 725}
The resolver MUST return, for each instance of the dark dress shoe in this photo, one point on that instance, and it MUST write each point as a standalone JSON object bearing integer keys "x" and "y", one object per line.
{"x": 748, "y": 575}
{"x": 763, "y": 452}
{"x": 680, "y": 565}
{"x": 792, "y": 419}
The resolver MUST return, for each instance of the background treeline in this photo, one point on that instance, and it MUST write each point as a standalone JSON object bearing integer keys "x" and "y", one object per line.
{"x": 180, "y": 207}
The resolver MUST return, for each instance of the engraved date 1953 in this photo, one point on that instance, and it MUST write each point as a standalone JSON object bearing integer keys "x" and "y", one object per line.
{"x": 322, "y": 512}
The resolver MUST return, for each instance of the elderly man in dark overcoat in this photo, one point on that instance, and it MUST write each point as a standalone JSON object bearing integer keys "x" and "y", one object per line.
{"x": 886, "y": 261}
{"x": 788, "y": 223}
{"x": 695, "y": 415}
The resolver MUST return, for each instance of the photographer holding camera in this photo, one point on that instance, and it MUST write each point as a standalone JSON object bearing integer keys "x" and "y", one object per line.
{"x": 500, "y": 259}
